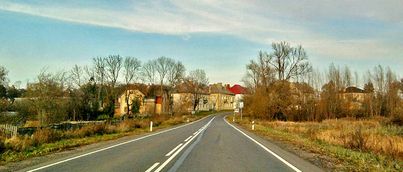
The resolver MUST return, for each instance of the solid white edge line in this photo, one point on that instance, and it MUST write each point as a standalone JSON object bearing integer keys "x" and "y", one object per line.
{"x": 173, "y": 150}
{"x": 180, "y": 149}
{"x": 126, "y": 142}
{"x": 152, "y": 167}
{"x": 265, "y": 148}
{"x": 188, "y": 138}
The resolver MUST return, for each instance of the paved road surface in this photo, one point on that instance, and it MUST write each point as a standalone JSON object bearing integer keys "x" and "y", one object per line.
{"x": 210, "y": 144}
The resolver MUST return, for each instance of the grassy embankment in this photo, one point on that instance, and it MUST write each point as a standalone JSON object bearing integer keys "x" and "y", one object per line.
{"x": 47, "y": 141}
{"x": 340, "y": 145}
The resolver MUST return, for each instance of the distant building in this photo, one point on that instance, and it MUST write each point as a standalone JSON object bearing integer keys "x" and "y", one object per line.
{"x": 239, "y": 93}
{"x": 184, "y": 102}
{"x": 131, "y": 96}
{"x": 221, "y": 98}
{"x": 147, "y": 95}
{"x": 354, "y": 96}
{"x": 184, "y": 97}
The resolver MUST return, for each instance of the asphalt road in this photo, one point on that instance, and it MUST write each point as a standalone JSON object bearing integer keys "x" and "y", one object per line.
{"x": 210, "y": 144}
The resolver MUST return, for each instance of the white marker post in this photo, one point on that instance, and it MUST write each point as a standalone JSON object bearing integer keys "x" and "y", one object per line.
{"x": 151, "y": 126}
{"x": 241, "y": 107}
{"x": 253, "y": 125}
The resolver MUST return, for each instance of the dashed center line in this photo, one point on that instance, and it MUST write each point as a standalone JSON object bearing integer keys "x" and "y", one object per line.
{"x": 173, "y": 150}
{"x": 152, "y": 167}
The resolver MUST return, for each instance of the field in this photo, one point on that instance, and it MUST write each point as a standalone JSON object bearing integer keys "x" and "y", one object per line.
{"x": 341, "y": 145}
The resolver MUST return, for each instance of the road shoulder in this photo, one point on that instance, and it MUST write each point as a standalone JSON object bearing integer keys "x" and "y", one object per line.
{"x": 291, "y": 154}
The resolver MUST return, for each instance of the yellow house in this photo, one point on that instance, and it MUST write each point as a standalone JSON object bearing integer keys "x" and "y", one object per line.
{"x": 183, "y": 102}
{"x": 221, "y": 98}
{"x": 131, "y": 95}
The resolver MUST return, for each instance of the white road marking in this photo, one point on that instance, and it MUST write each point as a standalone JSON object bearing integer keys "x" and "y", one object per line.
{"x": 173, "y": 150}
{"x": 110, "y": 147}
{"x": 265, "y": 148}
{"x": 188, "y": 138}
{"x": 181, "y": 148}
{"x": 152, "y": 167}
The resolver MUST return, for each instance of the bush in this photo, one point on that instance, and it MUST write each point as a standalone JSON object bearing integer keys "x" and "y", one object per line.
{"x": 125, "y": 126}
{"x": 103, "y": 117}
{"x": 397, "y": 119}
{"x": 358, "y": 140}
{"x": 89, "y": 130}
{"x": 42, "y": 136}
{"x": 19, "y": 143}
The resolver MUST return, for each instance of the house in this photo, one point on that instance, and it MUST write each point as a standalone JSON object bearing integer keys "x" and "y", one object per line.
{"x": 239, "y": 93}
{"x": 220, "y": 97}
{"x": 147, "y": 95}
{"x": 183, "y": 102}
{"x": 354, "y": 96}
{"x": 184, "y": 96}
{"x": 129, "y": 97}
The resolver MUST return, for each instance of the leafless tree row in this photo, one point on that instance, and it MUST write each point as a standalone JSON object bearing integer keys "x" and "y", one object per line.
{"x": 284, "y": 85}
{"x": 91, "y": 91}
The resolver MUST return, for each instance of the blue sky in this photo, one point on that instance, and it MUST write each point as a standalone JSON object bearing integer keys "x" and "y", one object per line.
{"x": 218, "y": 36}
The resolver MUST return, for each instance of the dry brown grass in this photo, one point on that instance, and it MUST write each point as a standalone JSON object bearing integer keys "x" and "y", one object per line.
{"x": 364, "y": 135}
{"x": 42, "y": 136}
{"x": 19, "y": 143}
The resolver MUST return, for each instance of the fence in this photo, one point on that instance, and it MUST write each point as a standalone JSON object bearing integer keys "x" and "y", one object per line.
{"x": 9, "y": 130}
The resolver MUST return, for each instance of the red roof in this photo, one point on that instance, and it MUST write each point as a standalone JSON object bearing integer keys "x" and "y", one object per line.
{"x": 237, "y": 89}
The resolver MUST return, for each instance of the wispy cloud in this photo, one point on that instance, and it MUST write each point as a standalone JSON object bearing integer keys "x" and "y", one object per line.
{"x": 255, "y": 20}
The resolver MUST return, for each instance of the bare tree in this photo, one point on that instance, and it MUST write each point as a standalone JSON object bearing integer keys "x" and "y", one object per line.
{"x": 252, "y": 76}
{"x": 162, "y": 66}
{"x": 176, "y": 73}
{"x": 356, "y": 78}
{"x": 131, "y": 66}
{"x": 197, "y": 80}
{"x": 260, "y": 72}
{"x": 289, "y": 62}
{"x": 148, "y": 72}
{"x": 77, "y": 75}
{"x": 98, "y": 76}
{"x": 113, "y": 67}
{"x": 379, "y": 79}
{"x": 315, "y": 79}
{"x": 99, "y": 69}
{"x": 347, "y": 78}
{"x": 369, "y": 99}
{"x": 334, "y": 74}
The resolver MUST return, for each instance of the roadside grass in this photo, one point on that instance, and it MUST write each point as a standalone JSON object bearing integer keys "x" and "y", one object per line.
{"x": 348, "y": 144}
{"x": 46, "y": 141}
